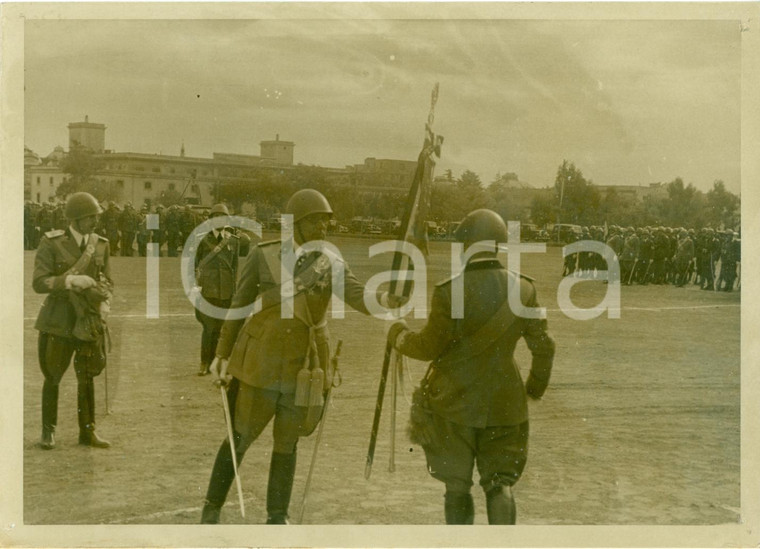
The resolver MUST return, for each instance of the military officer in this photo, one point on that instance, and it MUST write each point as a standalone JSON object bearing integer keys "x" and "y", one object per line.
{"x": 630, "y": 255}
{"x": 71, "y": 266}
{"x": 265, "y": 354}
{"x": 216, "y": 266}
{"x": 477, "y": 396}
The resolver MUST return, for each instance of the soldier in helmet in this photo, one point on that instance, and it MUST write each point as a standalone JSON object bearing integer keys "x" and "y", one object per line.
{"x": 173, "y": 231}
{"x": 143, "y": 234}
{"x": 682, "y": 259}
{"x": 630, "y": 256}
{"x": 477, "y": 395}
{"x": 71, "y": 266}
{"x": 216, "y": 268}
{"x": 128, "y": 224}
{"x": 110, "y": 222}
{"x": 265, "y": 355}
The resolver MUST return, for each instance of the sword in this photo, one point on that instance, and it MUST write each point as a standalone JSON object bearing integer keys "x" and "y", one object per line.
{"x": 319, "y": 432}
{"x": 228, "y": 420}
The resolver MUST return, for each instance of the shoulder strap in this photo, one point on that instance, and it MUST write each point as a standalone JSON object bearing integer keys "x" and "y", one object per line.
{"x": 213, "y": 253}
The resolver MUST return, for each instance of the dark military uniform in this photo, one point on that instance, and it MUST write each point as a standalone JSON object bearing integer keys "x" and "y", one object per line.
{"x": 59, "y": 255}
{"x": 128, "y": 225}
{"x": 476, "y": 391}
{"x": 173, "y": 232}
{"x": 110, "y": 224}
{"x": 682, "y": 259}
{"x": 216, "y": 274}
{"x": 630, "y": 256}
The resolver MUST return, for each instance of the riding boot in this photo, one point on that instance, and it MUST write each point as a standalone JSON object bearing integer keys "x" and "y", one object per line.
{"x": 222, "y": 476}
{"x": 86, "y": 414}
{"x": 459, "y": 508}
{"x": 500, "y": 505}
{"x": 49, "y": 414}
{"x": 281, "y": 472}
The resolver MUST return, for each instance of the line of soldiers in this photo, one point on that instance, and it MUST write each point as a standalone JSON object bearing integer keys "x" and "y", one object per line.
{"x": 664, "y": 255}
{"x": 122, "y": 226}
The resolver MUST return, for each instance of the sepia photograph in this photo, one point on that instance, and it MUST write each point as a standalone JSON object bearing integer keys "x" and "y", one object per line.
{"x": 372, "y": 270}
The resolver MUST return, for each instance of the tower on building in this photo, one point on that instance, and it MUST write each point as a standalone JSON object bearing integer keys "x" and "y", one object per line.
{"x": 280, "y": 152}
{"x": 87, "y": 134}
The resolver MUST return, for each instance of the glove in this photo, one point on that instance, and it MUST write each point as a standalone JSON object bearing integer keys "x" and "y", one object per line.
{"x": 396, "y": 329}
{"x": 104, "y": 309}
{"x": 218, "y": 369}
{"x": 80, "y": 282}
{"x": 392, "y": 301}
{"x": 535, "y": 388}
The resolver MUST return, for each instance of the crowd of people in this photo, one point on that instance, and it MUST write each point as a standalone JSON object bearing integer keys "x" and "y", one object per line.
{"x": 125, "y": 228}
{"x": 709, "y": 258}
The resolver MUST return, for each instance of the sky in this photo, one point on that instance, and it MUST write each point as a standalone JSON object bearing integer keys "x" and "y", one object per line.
{"x": 628, "y": 102}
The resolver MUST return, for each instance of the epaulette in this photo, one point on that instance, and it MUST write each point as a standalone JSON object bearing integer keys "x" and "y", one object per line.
{"x": 101, "y": 237}
{"x": 446, "y": 281}
{"x": 55, "y": 233}
{"x": 233, "y": 235}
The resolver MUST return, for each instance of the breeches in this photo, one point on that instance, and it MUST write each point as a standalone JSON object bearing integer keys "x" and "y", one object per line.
{"x": 255, "y": 408}
{"x": 500, "y": 453}
{"x": 55, "y": 356}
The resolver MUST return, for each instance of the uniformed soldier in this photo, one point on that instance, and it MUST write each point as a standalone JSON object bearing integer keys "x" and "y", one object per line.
{"x": 682, "y": 259}
{"x": 477, "y": 396}
{"x": 630, "y": 255}
{"x": 615, "y": 241}
{"x": 45, "y": 218}
{"x": 173, "y": 232}
{"x": 143, "y": 234}
{"x": 110, "y": 223}
{"x": 729, "y": 256}
{"x": 71, "y": 266}
{"x": 128, "y": 224}
{"x": 158, "y": 236}
{"x": 266, "y": 352}
{"x": 216, "y": 267}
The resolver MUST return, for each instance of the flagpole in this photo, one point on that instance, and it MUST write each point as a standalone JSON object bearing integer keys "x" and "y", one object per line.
{"x": 410, "y": 229}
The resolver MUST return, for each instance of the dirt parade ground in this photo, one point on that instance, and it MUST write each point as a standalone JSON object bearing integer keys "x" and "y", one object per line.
{"x": 640, "y": 424}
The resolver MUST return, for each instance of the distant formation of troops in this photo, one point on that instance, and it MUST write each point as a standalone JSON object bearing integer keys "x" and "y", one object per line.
{"x": 123, "y": 226}
{"x": 708, "y": 257}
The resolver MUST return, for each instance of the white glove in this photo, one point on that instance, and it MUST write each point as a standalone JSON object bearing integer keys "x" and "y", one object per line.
{"x": 105, "y": 308}
{"x": 218, "y": 369}
{"x": 80, "y": 282}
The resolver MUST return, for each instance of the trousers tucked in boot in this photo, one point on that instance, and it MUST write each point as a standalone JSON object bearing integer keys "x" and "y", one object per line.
{"x": 281, "y": 472}
{"x": 500, "y": 504}
{"x": 49, "y": 414}
{"x": 86, "y": 413}
{"x": 222, "y": 476}
{"x": 459, "y": 508}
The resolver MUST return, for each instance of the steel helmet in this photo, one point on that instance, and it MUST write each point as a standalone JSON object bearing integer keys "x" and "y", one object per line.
{"x": 306, "y": 202}
{"x": 218, "y": 209}
{"x": 81, "y": 205}
{"x": 480, "y": 225}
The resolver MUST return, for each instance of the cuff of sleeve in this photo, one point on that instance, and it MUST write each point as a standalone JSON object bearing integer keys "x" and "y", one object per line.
{"x": 67, "y": 282}
{"x": 534, "y": 387}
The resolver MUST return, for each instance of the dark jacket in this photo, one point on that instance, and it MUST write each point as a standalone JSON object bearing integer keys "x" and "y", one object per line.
{"x": 217, "y": 278}
{"x": 481, "y": 386}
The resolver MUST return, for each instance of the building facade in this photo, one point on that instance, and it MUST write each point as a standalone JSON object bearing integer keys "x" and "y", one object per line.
{"x": 141, "y": 178}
